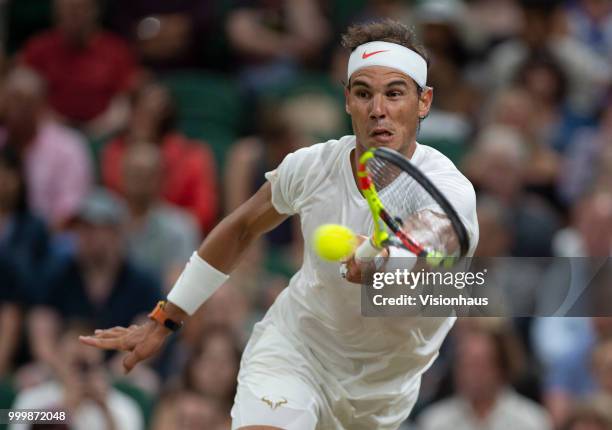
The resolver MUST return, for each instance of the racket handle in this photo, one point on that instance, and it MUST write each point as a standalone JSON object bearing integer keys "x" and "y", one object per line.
{"x": 366, "y": 251}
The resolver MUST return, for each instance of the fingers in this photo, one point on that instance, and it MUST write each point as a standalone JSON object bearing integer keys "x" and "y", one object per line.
{"x": 110, "y": 333}
{"x": 108, "y": 343}
{"x": 141, "y": 352}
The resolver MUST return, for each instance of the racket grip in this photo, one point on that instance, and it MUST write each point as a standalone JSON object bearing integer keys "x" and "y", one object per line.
{"x": 366, "y": 251}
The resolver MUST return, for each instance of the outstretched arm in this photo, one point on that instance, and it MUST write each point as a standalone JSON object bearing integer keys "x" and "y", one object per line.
{"x": 222, "y": 250}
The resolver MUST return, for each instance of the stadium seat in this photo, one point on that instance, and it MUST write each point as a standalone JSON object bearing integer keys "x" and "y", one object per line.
{"x": 209, "y": 108}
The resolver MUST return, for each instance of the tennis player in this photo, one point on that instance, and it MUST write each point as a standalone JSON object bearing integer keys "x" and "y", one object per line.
{"x": 314, "y": 362}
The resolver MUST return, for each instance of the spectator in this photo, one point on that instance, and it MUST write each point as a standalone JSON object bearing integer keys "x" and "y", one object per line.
{"x": 497, "y": 167}
{"x": 82, "y": 388}
{"x": 483, "y": 371}
{"x": 89, "y": 70}
{"x": 212, "y": 369}
{"x": 590, "y": 234}
{"x": 565, "y": 346}
{"x": 188, "y": 410}
{"x": 273, "y": 38}
{"x": 545, "y": 31}
{"x": 56, "y": 164}
{"x": 518, "y": 109}
{"x": 160, "y": 236}
{"x": 544, "y": 80}
{"x": 99, "y": 284}
{"x": 169, "y": 34}
{"x": 590, "y": 22}
{"x": 24, "y": 240}
{"x": 588, "y": 160}
{"x": 189, "y": 170}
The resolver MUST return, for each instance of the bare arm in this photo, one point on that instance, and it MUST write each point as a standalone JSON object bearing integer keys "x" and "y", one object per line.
{"x": 222, "y": 249}
{"x": 10, "y": 333}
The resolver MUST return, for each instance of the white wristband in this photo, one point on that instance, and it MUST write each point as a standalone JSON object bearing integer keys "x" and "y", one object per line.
{"x": 366, "y": 251}
{"x": 197, "y": 283}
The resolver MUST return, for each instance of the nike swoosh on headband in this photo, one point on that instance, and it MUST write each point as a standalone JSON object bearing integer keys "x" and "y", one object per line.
{"x": 369, "y": 54}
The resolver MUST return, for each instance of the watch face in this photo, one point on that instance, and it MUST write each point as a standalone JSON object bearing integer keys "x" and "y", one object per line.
{"x": 174, "y": 326}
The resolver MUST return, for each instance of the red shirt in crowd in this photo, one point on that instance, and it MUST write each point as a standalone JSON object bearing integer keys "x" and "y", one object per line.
{"x": 189, "y": 180}
{"x": 81, "y": 81}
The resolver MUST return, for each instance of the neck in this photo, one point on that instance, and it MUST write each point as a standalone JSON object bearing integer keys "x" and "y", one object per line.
{"x": 140, "y": 207}
{"x": 483, "y": 405}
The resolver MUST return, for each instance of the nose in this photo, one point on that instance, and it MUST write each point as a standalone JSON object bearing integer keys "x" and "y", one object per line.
{"x": 377, "y": 107}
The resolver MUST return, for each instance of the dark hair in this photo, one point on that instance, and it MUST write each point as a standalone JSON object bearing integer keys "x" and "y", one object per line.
{"x": 10, "y": 159}
{"x": 168, "y": 121}
{"x": 386, "y": 30}
{"x": 201, "y": 347}
{"x": 544, "y": 60}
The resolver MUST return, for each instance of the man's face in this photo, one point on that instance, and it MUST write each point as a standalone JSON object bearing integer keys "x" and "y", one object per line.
{"x": 77, "y": 18}
{"x": 385, "y": 108}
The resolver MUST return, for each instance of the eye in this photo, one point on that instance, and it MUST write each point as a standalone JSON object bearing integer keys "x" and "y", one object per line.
{"x": 395, "y": 93}
{"x": 362, "y": 94}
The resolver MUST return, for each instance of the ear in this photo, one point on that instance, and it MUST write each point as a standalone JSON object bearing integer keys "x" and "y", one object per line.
{"x": 425, "y": 101}
{"x": 347, "y": 95}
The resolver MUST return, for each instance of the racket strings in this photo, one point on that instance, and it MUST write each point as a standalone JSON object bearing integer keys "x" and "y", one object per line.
{"x": 403, "y": 197}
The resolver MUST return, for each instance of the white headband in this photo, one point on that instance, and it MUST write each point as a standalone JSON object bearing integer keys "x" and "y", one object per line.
{"x": 389, "y": 55}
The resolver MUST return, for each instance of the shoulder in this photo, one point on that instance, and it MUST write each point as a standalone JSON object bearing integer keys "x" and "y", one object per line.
{"x": 324, "y": 153}
{"x": 70, "y": 139}
{"x": 40, "y": 43}
{"x": 442, "y": 171}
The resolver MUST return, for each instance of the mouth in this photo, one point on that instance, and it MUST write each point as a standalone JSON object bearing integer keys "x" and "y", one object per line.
{"x": 381, "y": 134}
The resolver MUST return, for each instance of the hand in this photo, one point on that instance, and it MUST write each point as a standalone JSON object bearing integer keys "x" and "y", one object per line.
{"x": 142, "y": 341}
{"x": 354, "y": 268}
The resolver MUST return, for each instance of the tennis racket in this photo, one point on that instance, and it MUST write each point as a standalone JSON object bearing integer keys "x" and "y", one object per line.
{"x": 408, "y": 210}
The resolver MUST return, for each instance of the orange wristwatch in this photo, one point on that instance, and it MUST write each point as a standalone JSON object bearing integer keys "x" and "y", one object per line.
{"x": 159, "y": 315}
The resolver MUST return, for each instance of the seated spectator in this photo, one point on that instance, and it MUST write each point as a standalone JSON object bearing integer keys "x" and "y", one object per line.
{"x": 590, "y": 232}
{"x": 273, "y": 38}
{"x": 189, "y": 178}
{"x": 56, "y": 163}
{"x": 588, "y": 161}
{"x": 212, "y": 369}
{"x": 98, "y": 284}
{"x": 565, "y": 346}
{"x": 483, "y": 371}
{"x": 160, "y": 236}
{"x": 188, "y": 410}
{"x": 89, "y": 70}
{"x": 497, "y": 166}
{"x": 545, "y": 30}
{"x": 81, "y": 387}
{"x": 24, "y": 240}
{"x": 169, "y": 34}
{"x": 542, "y": 77}
{"x": 590, "y": 22}
{"x": 517, "y": 108}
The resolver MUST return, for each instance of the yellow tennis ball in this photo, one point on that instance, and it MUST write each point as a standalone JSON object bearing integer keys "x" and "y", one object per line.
{"x": 334, "y": 242}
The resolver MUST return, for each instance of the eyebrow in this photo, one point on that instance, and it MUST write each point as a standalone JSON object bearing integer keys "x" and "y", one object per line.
{"x": 397, "y": 82}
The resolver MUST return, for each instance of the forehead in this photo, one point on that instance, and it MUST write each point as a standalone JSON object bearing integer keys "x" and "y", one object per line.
{"x": 381, "y": 76}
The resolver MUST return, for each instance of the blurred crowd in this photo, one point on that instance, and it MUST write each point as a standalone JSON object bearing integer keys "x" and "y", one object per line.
{"x": 129, "y": 129}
